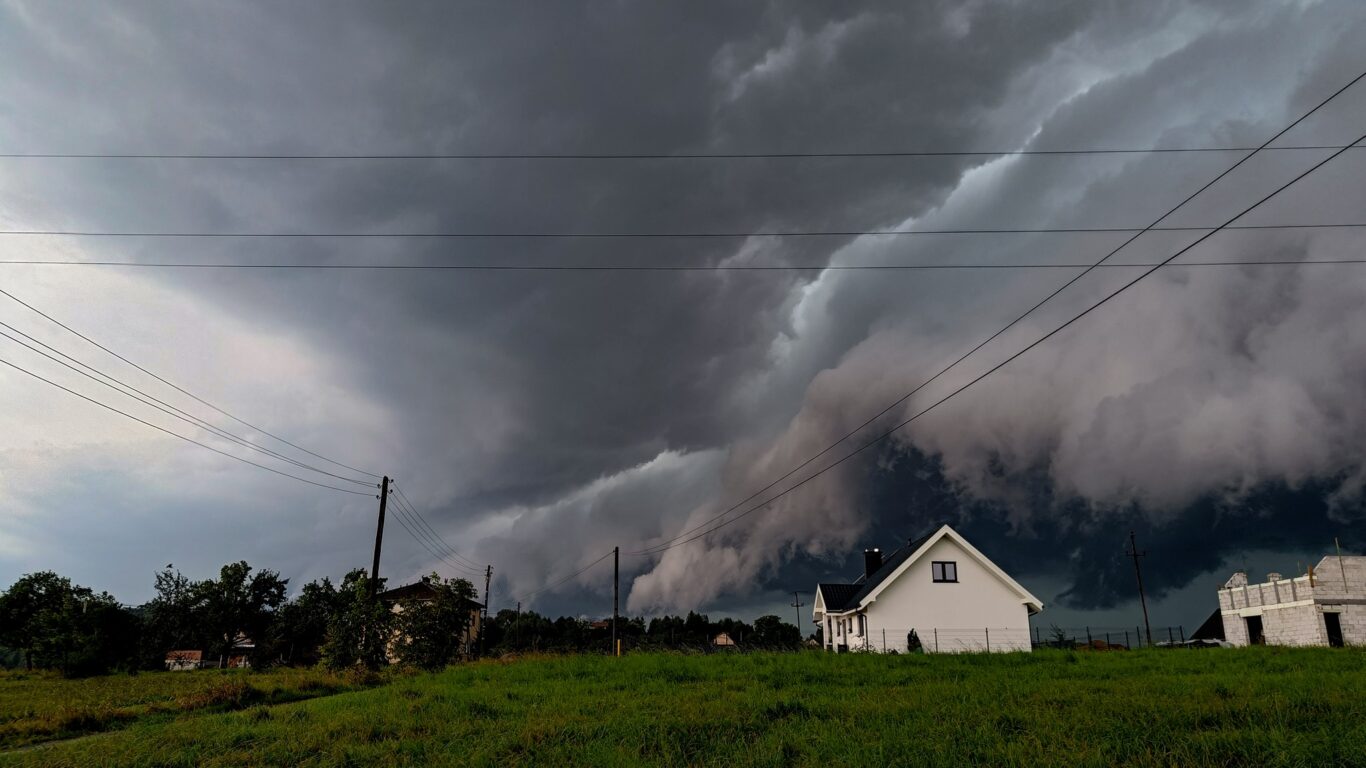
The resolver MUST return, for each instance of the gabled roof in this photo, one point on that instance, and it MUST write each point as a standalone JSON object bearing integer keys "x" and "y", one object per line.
{"x": 418, "y": 590}
{"x": 866, "y": 588}
{"x": 836, "y": 597}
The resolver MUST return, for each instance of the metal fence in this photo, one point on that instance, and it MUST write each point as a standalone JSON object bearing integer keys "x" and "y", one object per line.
{"x": 1001, "y": 639}
{"x": 1101, "y": 637}
{"x": 935, "y": 640}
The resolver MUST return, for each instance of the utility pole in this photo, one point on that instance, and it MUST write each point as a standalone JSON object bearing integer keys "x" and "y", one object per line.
{"x": 797, "y": 604}
{"x": 379, "y": 534}
{"x": 1142, "y": 600}
{"x": 616, "y": 593}
{"x": 517, "y": 624}
{"x": 483, "y": 624}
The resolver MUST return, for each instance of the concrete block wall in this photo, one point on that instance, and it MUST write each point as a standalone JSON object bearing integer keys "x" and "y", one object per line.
{"x": 1328, "y": 577}
{"x": 1353, "y": 619}
{"x": 1235, "y": 629}
{"x": 1299, "y": 625}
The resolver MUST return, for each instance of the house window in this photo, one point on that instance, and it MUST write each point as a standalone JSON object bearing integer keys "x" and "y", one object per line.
{"x": 944, "y": 570}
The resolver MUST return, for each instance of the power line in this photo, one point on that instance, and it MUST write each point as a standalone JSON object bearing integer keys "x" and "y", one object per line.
{"x": 529, "y": 595}
{"x": 416, "y": 532}
{"x": 413, "y": 508}
{"x": 676, "y": 267}
{"x": 677, "y": 235}
{"x": 638, "y": 156}
{"x": 671, "y": 542}
{"x": 160, "y": 405}
{"x": 185, "y": 392}
{"x": 175, "y": 434}
{"x": 679, "y": 540}
{"x": 428, "y": 532}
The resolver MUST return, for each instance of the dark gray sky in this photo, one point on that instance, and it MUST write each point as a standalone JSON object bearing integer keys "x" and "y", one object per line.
{"x": 540, "y": 418}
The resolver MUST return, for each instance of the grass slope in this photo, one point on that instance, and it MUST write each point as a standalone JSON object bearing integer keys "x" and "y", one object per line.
{"x": 1255, "y": 707}
{"x": 38, "y": 706}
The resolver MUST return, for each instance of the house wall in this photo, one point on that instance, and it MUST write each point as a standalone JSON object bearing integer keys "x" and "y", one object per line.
{"x": 977, "y": 611}
{"x": 1353, "y": 619}
{"x": 1296, "y": 625}
{"x": 1235, "y": 629}
{"x": 1292, "y": 609}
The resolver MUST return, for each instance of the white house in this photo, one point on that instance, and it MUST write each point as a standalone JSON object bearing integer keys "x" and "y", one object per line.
{"x": 1325, "y": 606}
{"x": 941, "y": 588}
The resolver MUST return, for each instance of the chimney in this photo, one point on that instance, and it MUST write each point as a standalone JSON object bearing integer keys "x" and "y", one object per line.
{"x": 872, "y": 560}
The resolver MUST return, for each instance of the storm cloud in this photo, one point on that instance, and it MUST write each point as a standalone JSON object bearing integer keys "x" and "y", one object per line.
{"x": 541, "y": 418}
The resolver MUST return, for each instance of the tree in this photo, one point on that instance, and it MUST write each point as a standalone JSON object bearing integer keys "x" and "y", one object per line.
{"x": 66, "y": 626}
{"x": 21, "y": 606}
{"x": 238, "y": 603}
{"x": 300, "y": 627}
{"x": 431, "y": 633}
{"x": 772, "y": 632}
{"x": 169, "y": 619}
{"x": 358, "y": 632}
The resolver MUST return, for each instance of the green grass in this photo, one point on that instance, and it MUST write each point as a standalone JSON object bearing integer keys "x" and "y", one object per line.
{"x": 39, "y": 706}
{"x": 1254, "y": 707}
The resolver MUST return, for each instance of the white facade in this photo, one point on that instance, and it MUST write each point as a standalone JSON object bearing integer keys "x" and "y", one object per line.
{"x": 1326, "y": 606}
{"x": 980, "y": 609}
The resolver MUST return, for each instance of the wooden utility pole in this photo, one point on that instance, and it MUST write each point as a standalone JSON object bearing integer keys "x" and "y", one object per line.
{"x": 797, "y": 604}
{"x": 1142, "y": 600}
{"x": 616, "y": 593}
{"x": 484, "y": 623}
{"x": 379, "y": 534}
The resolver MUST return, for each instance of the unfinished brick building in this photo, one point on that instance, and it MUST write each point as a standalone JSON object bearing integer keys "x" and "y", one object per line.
{"x": 1325, "y": 606}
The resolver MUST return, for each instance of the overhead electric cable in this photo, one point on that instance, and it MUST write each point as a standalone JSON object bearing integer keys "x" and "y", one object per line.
{"x": 670, "y": 542}
{"x": 175, "y": 434}
{"x": 679, "y": 541}
{"x": 160, "y": 405}
{"x": 425, "y": 544}
{"x": 529, "y": 595}
{"x": 430, "y": 534}
{"x": 632, "y": 156}
{"x": 185, "y": 392}
{"x": 416, "y": 532}
{"x": 678, "y": 235}
{"x": 432, "y": 531}
{"x": 681, "y": 268}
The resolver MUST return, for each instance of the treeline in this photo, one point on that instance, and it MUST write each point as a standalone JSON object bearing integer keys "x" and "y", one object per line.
{"x": 48, "y": 622}
{"x": 510, "y": 632}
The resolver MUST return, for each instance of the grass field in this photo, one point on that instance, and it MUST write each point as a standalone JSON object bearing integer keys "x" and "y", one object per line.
{"x": 1253, "y": 707}
{"x": 40, "y": 706}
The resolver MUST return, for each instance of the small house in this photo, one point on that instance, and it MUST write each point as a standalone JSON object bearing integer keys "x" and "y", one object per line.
{"x": 1324, "y": 606}
{"x": 421, "y": 591}
{"x": 181, "y": 661}
{"x": 723, "y": 640}
{"x": 938, "y": 594}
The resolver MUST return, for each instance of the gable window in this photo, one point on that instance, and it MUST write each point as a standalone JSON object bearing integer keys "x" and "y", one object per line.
{"x": 945, "y": 571}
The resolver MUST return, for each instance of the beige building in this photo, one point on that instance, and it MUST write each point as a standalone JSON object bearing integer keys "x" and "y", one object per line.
{"x": 421, "y": 591}
{"x": 1325, "y": 606}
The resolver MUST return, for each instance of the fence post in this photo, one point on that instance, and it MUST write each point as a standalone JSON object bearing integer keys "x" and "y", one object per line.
{"x": 1170, "y": 639}
{"x": 988, "y": 631}
{"x": 1126, "y": 639}
{"x": 1088, "y": 636}
{"x": 1183, "y": 633}
{"x": 1107, "y": 641}
{"x": 1138, "y": 638}
{"x": 884, "y": 639}
{"x": 936, "y": 639}
{"x": 1036, "y": 635}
